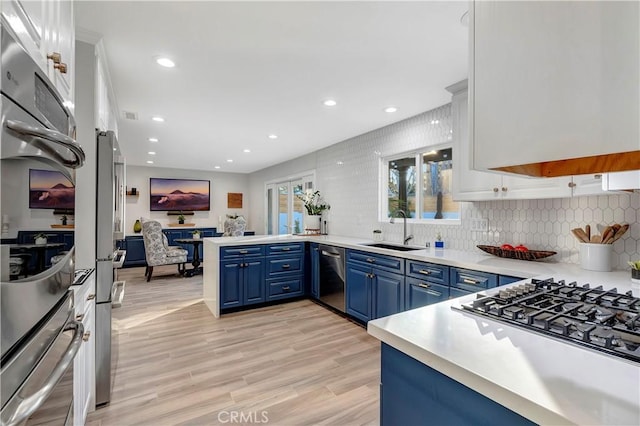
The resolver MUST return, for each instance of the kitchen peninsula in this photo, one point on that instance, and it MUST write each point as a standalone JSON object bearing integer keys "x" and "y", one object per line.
{"x": 527, "y": 377}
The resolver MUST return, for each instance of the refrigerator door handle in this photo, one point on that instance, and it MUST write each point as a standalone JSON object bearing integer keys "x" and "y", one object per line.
{"x": 117, "y": 294}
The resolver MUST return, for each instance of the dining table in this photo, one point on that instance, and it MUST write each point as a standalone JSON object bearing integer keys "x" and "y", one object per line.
{"x": 38, "y": 249}
{"x": 196, "y": 243}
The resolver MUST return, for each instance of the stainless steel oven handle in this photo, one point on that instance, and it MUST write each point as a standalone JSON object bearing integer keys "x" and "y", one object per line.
{"x": 50, "y": 136}
{"x": 329, "y": 254}
{"x": 27, "y": 406}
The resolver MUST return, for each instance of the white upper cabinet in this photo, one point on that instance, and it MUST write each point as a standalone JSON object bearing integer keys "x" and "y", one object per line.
{"x": 46, "y": 31}
{"x": 472, "y": 185}
{"x": 552, "y": 81}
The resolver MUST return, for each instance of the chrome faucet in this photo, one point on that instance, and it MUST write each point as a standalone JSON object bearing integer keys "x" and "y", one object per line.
{"x": 402, "y": 213}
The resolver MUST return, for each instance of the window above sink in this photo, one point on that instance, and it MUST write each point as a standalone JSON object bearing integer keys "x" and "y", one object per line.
{"x": 419, "y": 183}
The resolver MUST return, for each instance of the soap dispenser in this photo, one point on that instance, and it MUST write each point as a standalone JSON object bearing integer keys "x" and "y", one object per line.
{"x": 439, "y": 243}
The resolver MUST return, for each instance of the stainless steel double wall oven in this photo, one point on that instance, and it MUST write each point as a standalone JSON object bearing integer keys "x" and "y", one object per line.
{"x": 39, "y": 336}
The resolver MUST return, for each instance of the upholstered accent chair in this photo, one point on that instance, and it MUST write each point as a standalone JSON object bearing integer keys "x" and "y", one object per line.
{"x": 234, "y": 227}
{"x": 158, "y": 251}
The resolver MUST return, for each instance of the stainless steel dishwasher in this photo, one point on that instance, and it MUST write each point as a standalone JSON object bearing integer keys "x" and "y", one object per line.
{"x": 332, "y": 274}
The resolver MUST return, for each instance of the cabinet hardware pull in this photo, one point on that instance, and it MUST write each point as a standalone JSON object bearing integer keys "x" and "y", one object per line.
{"x": 434, "y": 293}
{"x": 598, "y": 176}
{"x": 572, "y": 185}
{"x": 495, "y": 189}
{"x": 243, "y": 252}
{"x": 286, "y": 266}
{"x": 61, "y": 67}
{"x": 55, "y": 57}
{"x": 424, "y": 272}
{"x": 423, "y": 285}
{"x": 316, "y": 249}
{"x": 285, "y": 288}
{"x": 469, "y": 281}
{"x": 86, "y": 336}
{"x": 79, "y": 317}
{"x": 91, "y": 297}
{"x": 370, "y": 260}
{"x": 504, "y": 189}
{"x": 285, "y": 249}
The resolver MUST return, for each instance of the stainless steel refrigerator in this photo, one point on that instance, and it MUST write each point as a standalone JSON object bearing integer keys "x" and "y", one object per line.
{"x": 106, "y": 231}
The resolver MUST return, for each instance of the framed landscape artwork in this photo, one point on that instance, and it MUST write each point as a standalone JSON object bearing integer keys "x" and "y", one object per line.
{"x": 179, "y": 195}
{"x": 50, "y": 189}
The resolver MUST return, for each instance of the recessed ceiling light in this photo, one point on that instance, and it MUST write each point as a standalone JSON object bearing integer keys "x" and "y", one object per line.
{"x": 272, "y": 136}
{"x": 246, "y": 150}
{"x": 229, "y": 160}
{"x": 216, "y": 167}
{"x": 157, "y": 118}
{"x": 390, "y": 109}
{"x": 330, "y": 102}
{"x": 166, "y": 62}
{"x": 339, "y": 163}
{"x": 153, "y": 139}
{"x": 149, "y": 162}
{"x": 115, "y": 149}
{"x": 151, "y": 153}
{"x": 435, "y": 121}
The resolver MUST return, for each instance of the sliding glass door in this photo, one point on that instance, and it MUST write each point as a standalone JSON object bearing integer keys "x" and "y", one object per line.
{"x": 285, "y": 211}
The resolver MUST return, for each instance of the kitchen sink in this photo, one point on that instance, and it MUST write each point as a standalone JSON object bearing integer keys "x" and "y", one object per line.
{"x": 393, "y": 246}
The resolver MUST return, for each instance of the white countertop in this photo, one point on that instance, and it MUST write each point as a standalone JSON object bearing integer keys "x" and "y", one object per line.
{"x": 543, "y": 379}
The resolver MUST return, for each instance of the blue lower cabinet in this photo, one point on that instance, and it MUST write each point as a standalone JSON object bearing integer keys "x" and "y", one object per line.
{"x": 373, "y": 293}
{"x": 254, "y": 275}
{"x": 456, "y": 292}
{"x": 506, "y": 279}
{"x": 420, "y": 293}
{"x": 134, "y": 245}
{"x": 358, "y": 292}
{"x": 411, "y": 393}
{"x": 472, "y": 281}
{"x": 315, "y": 270}
{"x": 285, "y": 288}
{"x": 241, "y": 282}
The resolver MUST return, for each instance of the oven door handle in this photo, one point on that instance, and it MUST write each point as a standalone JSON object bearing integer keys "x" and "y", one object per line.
{"x": 53, "y": 137}
{"x": 27, "y": 406}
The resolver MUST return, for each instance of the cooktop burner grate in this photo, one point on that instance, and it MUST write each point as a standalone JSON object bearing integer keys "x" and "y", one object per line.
{"x": 596, "y": 318}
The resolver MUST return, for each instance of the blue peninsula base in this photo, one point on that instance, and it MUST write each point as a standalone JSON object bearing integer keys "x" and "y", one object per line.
{"x": 412, "y": 393}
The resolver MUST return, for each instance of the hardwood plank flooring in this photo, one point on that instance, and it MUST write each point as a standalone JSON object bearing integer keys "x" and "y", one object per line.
{"x": 290, "y": 364}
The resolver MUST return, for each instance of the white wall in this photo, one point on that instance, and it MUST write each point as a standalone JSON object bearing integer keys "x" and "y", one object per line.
{"x": 220, "y": 184}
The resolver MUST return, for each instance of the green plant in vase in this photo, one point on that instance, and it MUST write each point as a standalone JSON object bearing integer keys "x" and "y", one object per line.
{"x": 635, "y": 270}
{"x": 181, "y": 219}
{"x": 196, "y": 234}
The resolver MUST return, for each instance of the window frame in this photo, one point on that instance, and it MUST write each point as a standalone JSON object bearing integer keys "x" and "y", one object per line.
{"x": 383, "y": 167}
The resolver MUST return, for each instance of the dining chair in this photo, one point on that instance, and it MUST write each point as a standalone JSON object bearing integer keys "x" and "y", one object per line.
{"x": 158, "y": 251}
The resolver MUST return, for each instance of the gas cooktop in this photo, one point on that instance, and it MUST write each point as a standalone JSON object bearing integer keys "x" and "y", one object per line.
{"x": 600, "y": 319}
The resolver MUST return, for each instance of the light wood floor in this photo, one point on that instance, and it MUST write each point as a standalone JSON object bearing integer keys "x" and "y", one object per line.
{"x": 291, "y": 364}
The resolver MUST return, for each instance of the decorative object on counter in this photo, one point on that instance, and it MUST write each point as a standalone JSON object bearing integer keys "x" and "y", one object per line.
{"x": 608, "y": 234}
{"x": 181, "y": 219}
{"x": 137, "y": 227}
{"x": 516, "y": 254}
{"x": 134, "y": 191}
{"x": 314, "y": 205}
{"x": 196, "y": 234}
{"x": 64, "y": 219}
{"x": 596, "y": 256}
{"x": 635, "y": 271}
{"x": 234, "y": 226}
{"x": 377, "y": 235}
{"x": 40, "y": 238}
{"x": 439, "y": 243}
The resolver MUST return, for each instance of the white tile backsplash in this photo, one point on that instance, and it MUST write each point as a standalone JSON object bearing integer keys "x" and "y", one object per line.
{"x": 347, "y": 175}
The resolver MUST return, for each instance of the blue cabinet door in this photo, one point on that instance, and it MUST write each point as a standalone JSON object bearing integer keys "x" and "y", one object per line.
{"x": 231, "y": 285}
{"x": 506, "y": 279}
{"x": 253, "y": 281}
{"x": 421, "y": 293}
{"x": 388, "y": 293}
{"x": 135, "y": 251}
{"x": 358, "y": 289}
{"x": 315, "y": 271}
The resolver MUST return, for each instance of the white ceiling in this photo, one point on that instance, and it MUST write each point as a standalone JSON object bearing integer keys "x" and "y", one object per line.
{"x": 248, "y": 69}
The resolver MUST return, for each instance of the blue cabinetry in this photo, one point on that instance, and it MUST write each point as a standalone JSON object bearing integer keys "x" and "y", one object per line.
{"x": 285, "y": 270}
{"x": 242, "y": 273}
{"x": 314, "y": 279}
{"x": 420, "y": 293}
{"x": 64, "y": 237}
{"x": 411, "y": 393}
{"x": 374, "y": 285}
{"x": 134, "y": 244}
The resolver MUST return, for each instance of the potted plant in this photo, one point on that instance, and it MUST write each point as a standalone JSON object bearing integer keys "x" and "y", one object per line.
{"x": 635, "y": 271}
{"x": 181, "y": 219}
{"x": 196, "y": 234}
{"x": 64, "y": 219}
{"x": 40, "y": 238}
{"x": 314, "y": 205}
